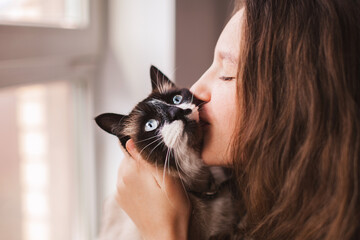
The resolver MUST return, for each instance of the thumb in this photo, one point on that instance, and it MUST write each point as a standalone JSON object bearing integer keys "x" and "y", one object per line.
{"x": 141, "y": 162}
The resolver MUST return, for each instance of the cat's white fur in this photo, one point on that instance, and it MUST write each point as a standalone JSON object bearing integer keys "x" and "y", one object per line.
{"x": 172, "y": 133}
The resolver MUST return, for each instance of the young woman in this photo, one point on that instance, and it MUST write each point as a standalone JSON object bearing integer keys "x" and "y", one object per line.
{"x": 283, "y": 109}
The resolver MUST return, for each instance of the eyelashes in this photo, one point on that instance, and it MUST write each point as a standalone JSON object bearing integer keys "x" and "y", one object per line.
{"x": 224, "y": 78}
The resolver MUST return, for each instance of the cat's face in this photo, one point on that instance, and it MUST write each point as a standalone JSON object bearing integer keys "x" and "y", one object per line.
{"x": 162, "y": 126}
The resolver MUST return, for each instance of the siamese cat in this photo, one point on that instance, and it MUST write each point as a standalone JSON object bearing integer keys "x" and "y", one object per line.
{"x": 167, "y": 132}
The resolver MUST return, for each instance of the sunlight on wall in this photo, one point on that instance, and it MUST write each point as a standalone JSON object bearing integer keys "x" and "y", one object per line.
{"x": 63, "y": 13}
{"x": 31, "y": 107}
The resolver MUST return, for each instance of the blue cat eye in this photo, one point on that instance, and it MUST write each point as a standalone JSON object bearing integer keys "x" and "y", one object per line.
{"x": 151, "y": 125}
{"x": 177, "y": 99}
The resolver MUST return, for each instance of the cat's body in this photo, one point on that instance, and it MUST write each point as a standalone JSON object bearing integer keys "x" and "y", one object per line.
{"x": 166, "y": 131}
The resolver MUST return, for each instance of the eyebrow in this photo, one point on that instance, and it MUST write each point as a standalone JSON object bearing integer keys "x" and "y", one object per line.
{"x": 224, "y": 55}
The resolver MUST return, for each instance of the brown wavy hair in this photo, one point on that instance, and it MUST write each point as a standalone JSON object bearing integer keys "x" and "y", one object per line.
{"x": 297, "y": 146}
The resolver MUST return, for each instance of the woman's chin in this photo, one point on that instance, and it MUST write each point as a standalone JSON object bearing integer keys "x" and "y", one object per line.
{"x": 209, "y": 158}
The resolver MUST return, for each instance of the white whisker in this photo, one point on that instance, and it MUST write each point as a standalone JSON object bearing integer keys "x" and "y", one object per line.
{"x": 164, "y": 169}
{"x": 192, "y": 98}
{"x": 179, "y": 167}
{"x": 148, "y": 138}
{"x": 199, "y": 106}
{"x": 155, "y": 147}
{"x": 182, "y": 182}
{"x": 150, "y": 144}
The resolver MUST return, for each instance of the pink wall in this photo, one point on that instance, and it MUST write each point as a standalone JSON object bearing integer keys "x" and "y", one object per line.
{"x": 198, "y": 26}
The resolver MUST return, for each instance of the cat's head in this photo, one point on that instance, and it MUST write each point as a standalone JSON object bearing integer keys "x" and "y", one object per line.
{"x": 164, "y": 125}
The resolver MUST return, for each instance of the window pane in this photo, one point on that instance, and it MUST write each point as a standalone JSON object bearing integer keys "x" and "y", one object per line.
{"x": 56, "y": 13}
{"x": 38, "y": 168}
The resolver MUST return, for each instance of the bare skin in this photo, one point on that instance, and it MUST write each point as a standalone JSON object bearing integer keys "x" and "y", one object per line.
{"x": 157, "y": 206}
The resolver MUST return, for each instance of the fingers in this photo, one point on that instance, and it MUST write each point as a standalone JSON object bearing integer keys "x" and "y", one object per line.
{"x": 143, "y": 167}
{"x": 124, "y": 151}
{"x": 136, "y": 164}
{"x": 130, "y": 154}
{"x": 135, "y": 155}
{"x": 132, "y": 166}
{"x": 138, "y": 179}
{"x": 130, "y": 147}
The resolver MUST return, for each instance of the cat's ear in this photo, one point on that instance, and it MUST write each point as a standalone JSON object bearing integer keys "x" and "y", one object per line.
{"x": 113, "y": 124}
{"x": 159, "y": 80}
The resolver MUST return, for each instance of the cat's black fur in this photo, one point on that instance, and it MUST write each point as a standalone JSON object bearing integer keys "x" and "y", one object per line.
{"x": 172, "y": 140}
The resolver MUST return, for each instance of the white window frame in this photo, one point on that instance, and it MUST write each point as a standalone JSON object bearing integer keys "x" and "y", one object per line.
{"x": 38, "y": 54}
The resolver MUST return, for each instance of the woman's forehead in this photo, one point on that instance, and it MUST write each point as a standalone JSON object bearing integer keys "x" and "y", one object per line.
{"x": 228, "y": 45}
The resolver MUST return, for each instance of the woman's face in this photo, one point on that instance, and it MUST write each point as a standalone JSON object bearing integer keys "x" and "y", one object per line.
{"x": 217, "y": 87}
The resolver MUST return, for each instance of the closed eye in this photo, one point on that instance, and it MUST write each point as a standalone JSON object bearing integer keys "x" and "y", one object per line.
{"x": 224, "y": 78}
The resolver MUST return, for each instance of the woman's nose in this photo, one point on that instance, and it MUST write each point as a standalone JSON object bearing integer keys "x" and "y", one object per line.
{"x": 202, "y": 88}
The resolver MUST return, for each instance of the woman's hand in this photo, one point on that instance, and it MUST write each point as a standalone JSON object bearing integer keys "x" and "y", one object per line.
{"x": 159, "y": 207}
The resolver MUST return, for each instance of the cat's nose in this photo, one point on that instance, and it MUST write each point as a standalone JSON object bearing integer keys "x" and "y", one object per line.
{"x": 176, "y": 113}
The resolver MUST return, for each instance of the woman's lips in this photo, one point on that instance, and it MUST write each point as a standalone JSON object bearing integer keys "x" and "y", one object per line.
{"x": 204, "y": 119}
{"x": 204, "y": 129}
{"x": 204, "y": 126}
{"x": 204, "y": 123}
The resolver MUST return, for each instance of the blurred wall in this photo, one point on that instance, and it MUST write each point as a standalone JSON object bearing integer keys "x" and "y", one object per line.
{"x": 198, "y": 26}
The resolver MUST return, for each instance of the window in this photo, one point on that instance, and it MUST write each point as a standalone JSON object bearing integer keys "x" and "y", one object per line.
{"x": 56, "y": 13}
{"x": 47, "y": 179}
{"x": 42, "y": 162}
